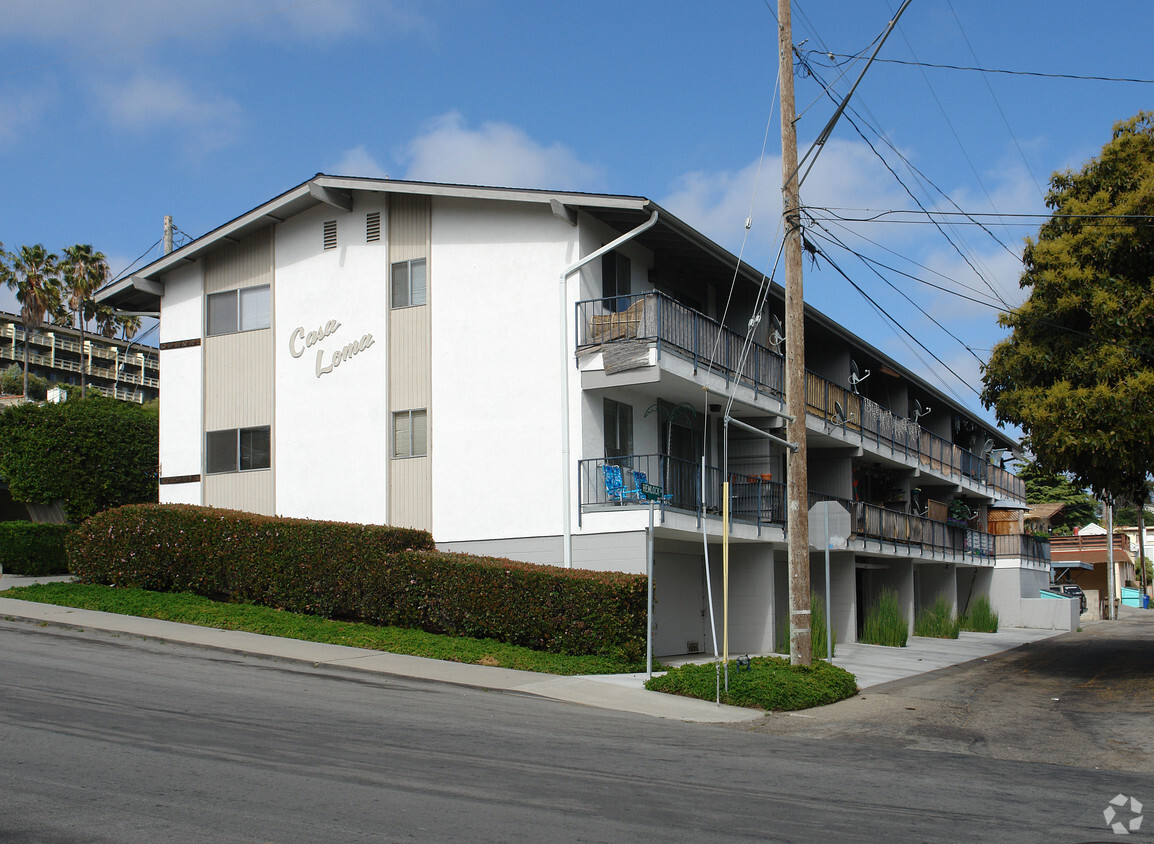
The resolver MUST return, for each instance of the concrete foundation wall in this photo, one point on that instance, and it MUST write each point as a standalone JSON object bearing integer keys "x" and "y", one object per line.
{"x": 751, "y": 589}
{"x": 935, "y": 581}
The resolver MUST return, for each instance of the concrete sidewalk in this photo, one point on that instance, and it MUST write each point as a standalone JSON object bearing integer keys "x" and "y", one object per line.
{"x": 871, "y": 664}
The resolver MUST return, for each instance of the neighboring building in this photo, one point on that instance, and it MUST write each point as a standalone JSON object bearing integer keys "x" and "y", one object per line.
{"x": 466, "y": 360}
{"x": 119, "y": 368}
{"x": 1090, "y": 546}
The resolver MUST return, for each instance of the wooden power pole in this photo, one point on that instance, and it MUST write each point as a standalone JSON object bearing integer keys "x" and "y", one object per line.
{"x": 797, "y": 490}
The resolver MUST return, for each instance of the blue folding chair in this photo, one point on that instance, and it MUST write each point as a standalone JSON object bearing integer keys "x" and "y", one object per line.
{"x": 615, "y": 484}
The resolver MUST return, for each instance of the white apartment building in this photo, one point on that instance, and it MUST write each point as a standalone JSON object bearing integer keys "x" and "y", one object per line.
{"x": 474, "y": 361}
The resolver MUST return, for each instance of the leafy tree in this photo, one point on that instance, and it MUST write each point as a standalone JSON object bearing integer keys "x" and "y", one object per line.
{"x": 1055, "y": 488}
{"x": 92, "y": 453}
{"x": 84, "y": 272}
{"x": 33, "y": 274}
{"x": 1077, "y": 372}
{"x": 11, "y": 383}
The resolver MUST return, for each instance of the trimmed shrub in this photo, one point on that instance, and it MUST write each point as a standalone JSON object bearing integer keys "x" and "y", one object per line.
{"x": 937, "y": 621}
{"x": 91, "y": 453}
{"x": 885, "y": 623}
{"x": 386, "y": 575}
{"x": 771, "y": 683}
{"x": 33, "y": 549}
{"x": 981, "y": 618}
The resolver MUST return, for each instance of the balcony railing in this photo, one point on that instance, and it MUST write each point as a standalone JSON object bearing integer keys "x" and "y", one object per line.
{"x": 752, "y": 498}
{"x": 1031, "y": 548}
{"x": 669, "y": 325}
{"x": 870, "y": 522}
{"x": 672, "y": 326}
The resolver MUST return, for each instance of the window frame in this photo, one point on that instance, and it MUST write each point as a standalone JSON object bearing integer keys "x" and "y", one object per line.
{"x": 409, "y": 415}
{"x": 237, "y": 296}
{"x": 235, "y": 438}
{"x": 408, "y": 264}
{"x": 618, "y": 418}
{"x": 616, "y": 281}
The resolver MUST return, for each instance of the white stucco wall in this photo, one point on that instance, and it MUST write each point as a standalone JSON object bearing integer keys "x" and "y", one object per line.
{"x": 496, "y": 369}
{"x": 331, "y": 431}
{"x": 182, "y": 384}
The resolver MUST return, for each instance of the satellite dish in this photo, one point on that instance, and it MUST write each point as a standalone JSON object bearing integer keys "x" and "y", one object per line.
{"x": 855, "y": 377}
{"x": 987, "y": 448}
{"x": 775, "y": 335}
{"x": 919, "y": 411}
{"x": 839, "y": 413}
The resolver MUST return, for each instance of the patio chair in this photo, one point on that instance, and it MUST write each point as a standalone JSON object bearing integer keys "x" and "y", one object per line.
{"x": 615, "y": 484}
{"x": 640, "y": 478}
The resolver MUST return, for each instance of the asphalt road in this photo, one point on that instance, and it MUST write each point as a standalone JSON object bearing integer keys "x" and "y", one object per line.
{"x": 1083, "y": 699}
{"x": 118, "y": 739}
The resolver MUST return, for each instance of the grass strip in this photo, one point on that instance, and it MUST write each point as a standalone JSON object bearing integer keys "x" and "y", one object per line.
{"x": 193, "y": 609}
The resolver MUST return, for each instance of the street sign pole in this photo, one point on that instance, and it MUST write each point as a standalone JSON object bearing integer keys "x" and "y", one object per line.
{"x": 649, "y": 612}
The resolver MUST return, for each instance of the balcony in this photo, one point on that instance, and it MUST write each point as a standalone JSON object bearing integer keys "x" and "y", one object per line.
{"x": 753, "y": 498}
{"x": 1027, "y": 548}
{"x": 759, "y": 501}
{"x": 658, "y": 320}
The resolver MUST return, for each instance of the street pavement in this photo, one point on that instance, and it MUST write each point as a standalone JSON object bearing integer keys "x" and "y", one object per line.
{"x": 872, "y": 665}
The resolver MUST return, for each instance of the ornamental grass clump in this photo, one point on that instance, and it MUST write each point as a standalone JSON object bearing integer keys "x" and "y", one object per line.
{"x": 981, "y": 618}
{"x": 937, "y": 621}
{"x": 885, "y": 623}
{"x": 771, "y": 683}
{"x": 817, "y": 629}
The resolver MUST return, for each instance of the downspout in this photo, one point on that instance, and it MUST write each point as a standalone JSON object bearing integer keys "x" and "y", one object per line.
{"x": 566, "y": 492}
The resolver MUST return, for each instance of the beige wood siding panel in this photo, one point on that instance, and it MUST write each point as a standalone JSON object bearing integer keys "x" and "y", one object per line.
{"x": 249, "y": 491}
{"x": 243, "y": 264}
{"x": 410, "y": 493}
{"x": 409, "y": 227}
{"x": 410, "y": 362}
{"x": 410, "y": 359}
{"x": 238, "y": 379}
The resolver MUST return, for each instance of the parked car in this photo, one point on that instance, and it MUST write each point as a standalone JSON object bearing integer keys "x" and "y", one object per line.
{"x": 1070, "y": 590}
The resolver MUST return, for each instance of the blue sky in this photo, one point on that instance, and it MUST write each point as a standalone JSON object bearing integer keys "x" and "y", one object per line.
{"x": 114, "y": 113}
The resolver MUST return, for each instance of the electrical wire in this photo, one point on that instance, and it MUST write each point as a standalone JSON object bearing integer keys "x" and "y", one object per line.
{"x": 986, "y": 70}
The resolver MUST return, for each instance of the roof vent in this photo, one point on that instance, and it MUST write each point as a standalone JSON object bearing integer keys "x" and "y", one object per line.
{"x": 330, "y": 234}
{"x": 372, "y": 226}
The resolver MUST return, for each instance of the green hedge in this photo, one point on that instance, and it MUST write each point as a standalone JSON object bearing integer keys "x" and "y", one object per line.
{"x": 91, "y": 453}
{"x": 33, "y": 549}
{"x": 386, "y": 575}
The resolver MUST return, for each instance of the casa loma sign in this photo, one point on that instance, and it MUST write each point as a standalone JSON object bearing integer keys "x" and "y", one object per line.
{"x": 300, "y": 340}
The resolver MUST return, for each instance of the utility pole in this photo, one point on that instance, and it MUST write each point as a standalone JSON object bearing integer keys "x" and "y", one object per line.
{"x": 167, "y": 233}
{"x": 1112, "y": 611}
{"x": 797, "y": 489}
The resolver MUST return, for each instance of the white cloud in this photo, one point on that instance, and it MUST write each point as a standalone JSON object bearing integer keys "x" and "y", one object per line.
{"x": 359, "y": 162}
{"x": 494, "y": 154}
{"x": 847, "y": 175}
{"x": 149, "y": 103}
{"x": 113, "y": 24}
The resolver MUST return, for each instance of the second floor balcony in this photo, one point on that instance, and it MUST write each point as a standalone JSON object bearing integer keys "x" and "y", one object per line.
{"x": 669, "y": 327}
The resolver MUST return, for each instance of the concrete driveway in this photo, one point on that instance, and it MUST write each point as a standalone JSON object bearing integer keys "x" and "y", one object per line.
{"x": 1084, "y": 699}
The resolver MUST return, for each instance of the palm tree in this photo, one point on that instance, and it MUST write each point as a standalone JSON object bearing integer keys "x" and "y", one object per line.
{"x": 34, "y": 277}
{"x": 84, "y": 273}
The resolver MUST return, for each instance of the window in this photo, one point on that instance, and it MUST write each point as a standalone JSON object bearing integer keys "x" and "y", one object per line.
{"x": 410, "y": 433}
{"x": 615, "y": 272}
{"x": 408, "y": 282}
{"x": 618, "y": 430}
{"x": 239, "y": 310}
{"x": 237, "y": 449}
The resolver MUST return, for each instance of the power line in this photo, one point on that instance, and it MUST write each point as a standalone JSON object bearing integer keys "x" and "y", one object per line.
{"x": 834, "y": 56}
